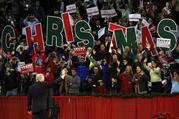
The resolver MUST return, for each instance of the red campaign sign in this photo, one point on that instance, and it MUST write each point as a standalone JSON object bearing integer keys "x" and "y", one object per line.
{"x": 79, "y": 51}
{"x": 27, "y": 68}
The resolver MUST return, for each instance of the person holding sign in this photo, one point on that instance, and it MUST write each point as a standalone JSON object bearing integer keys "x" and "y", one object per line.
{"x": 11, "y": 81}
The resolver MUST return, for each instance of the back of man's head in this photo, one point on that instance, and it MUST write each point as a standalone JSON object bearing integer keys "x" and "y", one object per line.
{"x": 40, "y": 78}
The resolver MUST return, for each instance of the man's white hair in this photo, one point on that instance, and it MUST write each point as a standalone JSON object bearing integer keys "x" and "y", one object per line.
{"x": 39, "y": 76}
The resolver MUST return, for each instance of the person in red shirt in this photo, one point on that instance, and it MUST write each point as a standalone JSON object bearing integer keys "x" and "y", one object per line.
{"x": 163, "y": 56}
{"x": 52, "y": 60}
{"x": 101, "y": 89}
{"x": 126, "y": 78}
{"x": 38, "y": 62}
{"x": 49, "y": 75}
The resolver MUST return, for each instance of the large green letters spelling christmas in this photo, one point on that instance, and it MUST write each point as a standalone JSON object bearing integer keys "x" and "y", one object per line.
{"x": 54, "y": 36}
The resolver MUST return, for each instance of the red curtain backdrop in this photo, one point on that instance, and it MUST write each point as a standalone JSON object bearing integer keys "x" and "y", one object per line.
{"x": 89, "y": 107}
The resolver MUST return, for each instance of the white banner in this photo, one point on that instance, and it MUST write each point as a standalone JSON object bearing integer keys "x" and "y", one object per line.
{"x": 163, "y": 42}
{"x": 101, "y": 32}
{"x": 108, "y": 13}
{"x": 71, "y": 8}
{"x": 92, "y": 11}
{"x": 134, "y": 17}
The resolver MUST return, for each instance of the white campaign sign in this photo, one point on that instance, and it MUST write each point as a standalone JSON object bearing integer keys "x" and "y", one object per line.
{"x": 108, "y": 13}
{"x": 163, "y": 42}
{"x": 92, "y": 11}
{"x": 71, "y": 8}
{"x": 134, "y": 17}
{"x": 101, "y": 32}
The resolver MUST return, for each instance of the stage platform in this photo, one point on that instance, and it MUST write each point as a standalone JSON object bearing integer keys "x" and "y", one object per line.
{"x": 90, "y": 107}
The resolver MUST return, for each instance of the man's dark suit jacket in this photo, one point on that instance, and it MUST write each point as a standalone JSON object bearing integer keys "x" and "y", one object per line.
{"x": 40, "y": 93}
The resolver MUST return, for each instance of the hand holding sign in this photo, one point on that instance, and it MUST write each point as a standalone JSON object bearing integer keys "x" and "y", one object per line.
{"x": 27, "y": 68}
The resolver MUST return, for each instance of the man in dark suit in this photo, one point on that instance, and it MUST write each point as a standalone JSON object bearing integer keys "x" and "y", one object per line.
{"x": 40, "y": 93}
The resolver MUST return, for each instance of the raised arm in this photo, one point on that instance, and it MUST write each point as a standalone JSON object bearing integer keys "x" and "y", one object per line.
{"x": 145, "y": 66}
{"x": 31, "y": 46}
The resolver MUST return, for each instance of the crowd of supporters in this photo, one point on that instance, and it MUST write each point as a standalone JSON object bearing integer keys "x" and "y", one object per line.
{"x": 135, "y": 70}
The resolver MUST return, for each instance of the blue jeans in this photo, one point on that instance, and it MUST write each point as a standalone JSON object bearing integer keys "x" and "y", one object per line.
{"x": 12, "y": 92}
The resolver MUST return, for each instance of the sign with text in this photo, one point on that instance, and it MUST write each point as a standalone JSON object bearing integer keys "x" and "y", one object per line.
{"x": 108, "y": 13}
{"x": 71, "y": 8}
{"x": 163, "y": 42}
{"x": 82, "y": 30}
{"x": 134, "y": 17}
{"x": 92, "y": 11}
{"x": 27, "y": 68}
{"x": 79, "y": 51}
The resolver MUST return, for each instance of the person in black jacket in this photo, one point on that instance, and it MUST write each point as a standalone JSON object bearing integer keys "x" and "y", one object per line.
{"x": 2, "y": 74}
{"x": 40, "y": 93}
{"x": 140, "y": 81}
{"x": 11, "y": 82}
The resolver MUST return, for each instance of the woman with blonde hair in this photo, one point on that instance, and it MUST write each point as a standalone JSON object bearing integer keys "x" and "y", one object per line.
{"x": 126, "y": 79}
